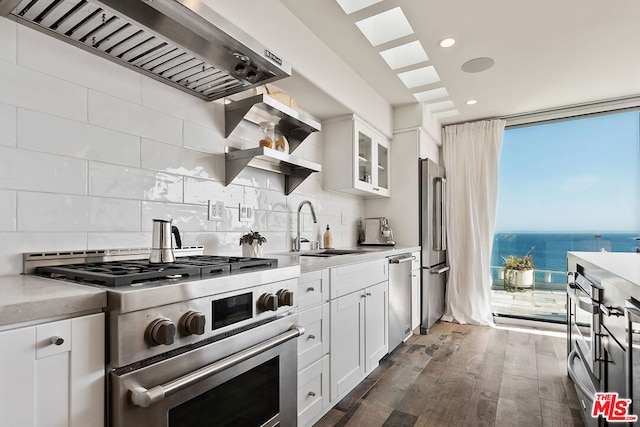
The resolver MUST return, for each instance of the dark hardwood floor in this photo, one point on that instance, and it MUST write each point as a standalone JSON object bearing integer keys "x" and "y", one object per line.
{"x": 464, "y": 375}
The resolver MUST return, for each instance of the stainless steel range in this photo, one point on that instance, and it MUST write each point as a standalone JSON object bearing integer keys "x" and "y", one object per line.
{"x": 206, "y": 340}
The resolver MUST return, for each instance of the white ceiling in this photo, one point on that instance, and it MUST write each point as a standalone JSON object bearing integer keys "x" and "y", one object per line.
{"x": 548, "y": 53}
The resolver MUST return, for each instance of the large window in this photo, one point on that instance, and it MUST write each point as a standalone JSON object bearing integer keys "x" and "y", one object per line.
{"x": 564, "y": 186}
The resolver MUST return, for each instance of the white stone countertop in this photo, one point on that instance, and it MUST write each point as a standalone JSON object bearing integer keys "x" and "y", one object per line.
{"x": 619, "y": 269}
{"x": 26, "y": 298}
{"x": 364, "y": 253}
{"x": 622, "y": 264}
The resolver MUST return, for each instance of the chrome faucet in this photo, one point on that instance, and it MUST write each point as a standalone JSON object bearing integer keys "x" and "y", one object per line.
{"x": 297, "y": 243}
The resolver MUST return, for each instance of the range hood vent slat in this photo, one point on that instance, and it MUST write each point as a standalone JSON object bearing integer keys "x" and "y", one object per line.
{"x": 182, "y": 43}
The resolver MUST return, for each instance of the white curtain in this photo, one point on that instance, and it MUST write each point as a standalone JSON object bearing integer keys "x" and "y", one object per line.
{"x": 471, "y": 152}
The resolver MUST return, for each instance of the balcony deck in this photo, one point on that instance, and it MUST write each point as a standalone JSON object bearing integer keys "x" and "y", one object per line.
{"x": 546, "y": 300}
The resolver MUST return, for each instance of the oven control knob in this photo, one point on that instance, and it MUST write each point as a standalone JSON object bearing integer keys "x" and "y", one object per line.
{"x": 268, "y": 302}
{"x": 193, "y": 323}
{"x": 285, "y": 297}
{"x": 162, "y": 331}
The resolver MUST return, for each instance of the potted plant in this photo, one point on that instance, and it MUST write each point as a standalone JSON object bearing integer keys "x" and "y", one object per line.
{"x": 518, "y": 271}
{"x": 252, "y": 244}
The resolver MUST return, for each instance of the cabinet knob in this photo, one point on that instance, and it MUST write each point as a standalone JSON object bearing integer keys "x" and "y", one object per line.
{"x": 368, "y": 294}
{"x": 57, "y": 340}
{"x": 312, "y": 393}
{"x": 311, "y": 289}
{"x": 312, "y": 337}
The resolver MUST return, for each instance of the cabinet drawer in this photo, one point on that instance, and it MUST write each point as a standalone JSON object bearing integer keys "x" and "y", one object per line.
{"x": 315, "y": 342}
{"x": 53, "y": 338}
{"x": 313, "y": 288}
{"x": 313, "y": 391}
{"x": 353, "y": 277}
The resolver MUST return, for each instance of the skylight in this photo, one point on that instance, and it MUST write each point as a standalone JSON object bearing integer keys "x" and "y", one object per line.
{"x": 419, "y": 77}
{"x": 404, "y": 55}
{"x": 385, "y": 27}
{"x": 441, "y": 106}
{"x": 431, "y": 95}
{"x": 350, "y": 6}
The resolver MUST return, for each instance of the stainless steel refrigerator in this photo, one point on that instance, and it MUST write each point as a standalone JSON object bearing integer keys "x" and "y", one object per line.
{"x": 433, "y": 241}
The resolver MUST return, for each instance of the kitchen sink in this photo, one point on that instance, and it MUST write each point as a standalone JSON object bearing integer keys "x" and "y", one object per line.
{"x": 332, "y": 252}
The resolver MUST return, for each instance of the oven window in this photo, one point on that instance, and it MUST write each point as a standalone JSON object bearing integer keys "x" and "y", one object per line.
{"x": 227, "y": 311}
{"x": 250, "y": 399}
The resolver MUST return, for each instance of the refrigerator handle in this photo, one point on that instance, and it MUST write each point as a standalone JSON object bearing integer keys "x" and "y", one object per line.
{"x": 440, "y": 239}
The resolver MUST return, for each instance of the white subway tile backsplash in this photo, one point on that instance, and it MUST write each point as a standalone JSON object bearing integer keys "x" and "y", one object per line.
{"x": 55, "y": 212}
{"x": 92, "y": 152}
{"x": 200, "y": 191}
{"x": 13, "y": 245}
{"x": 7, "y": 125}
{"x": 124, "y": 116}
{"x": 204, "y": 138}
{"x": 8, "y": 31}
{"x": 161, "y": 97}
{"x": 266, "y": 200}
{"x": 41, "y": 52}
{"x": 7, "y": 210}
{"x": 43, "y": 132}
{"x": 185, "y": 217}
{"x": 133, "y": 183}
{"x": 30, "y": 89}
{"x": 26, "y": 170}
{"x": 180, "y": 161}
{"x": 110, "y": 240}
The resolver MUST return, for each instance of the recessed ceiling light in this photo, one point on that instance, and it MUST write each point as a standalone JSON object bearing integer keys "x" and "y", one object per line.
{"x": 472, "y": 102}
{"x": 419, "y": 77}
{"x": 404, "y": 55}
{"x": 477, "y": 65}
{"x": 431, "y": 95}
{"x": 350, "y": 6}
{"x": 447, "y": 42}
{"x": 385, "y": 27}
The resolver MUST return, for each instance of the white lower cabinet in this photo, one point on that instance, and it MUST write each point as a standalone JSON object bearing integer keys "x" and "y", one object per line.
{"x": 313, "y": 391}
{"x": 313, "y": 346}
{"x": 359, "y": 336}
{"x": 53, "y": 374}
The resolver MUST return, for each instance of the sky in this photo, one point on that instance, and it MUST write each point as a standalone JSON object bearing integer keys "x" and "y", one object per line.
{"x": 576, "y": 175}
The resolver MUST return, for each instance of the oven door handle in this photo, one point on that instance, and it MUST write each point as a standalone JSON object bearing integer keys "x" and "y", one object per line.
{"x": 633, "y": 314}
{"x": 143, "y": 397}
{"x": 572, "y": 373}
{"x": 586, "y": 306}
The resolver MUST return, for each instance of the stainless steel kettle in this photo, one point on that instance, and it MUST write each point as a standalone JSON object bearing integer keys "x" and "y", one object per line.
{"x": 162, "y": 243}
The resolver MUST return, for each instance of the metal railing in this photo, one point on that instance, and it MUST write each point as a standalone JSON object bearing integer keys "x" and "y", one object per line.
{"x": 544, "y": 279}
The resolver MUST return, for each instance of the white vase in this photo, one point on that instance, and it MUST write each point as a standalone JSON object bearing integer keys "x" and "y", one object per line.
{"x": 518, "y": 278}
{"x": 253, "y": 250}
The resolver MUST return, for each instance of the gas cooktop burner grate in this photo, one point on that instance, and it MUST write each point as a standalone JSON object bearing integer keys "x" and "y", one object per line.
{"x": 122, "y": 273}
{"x": 236, "y": 263}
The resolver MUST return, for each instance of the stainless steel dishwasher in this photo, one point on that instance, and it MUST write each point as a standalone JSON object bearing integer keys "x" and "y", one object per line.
{"x": 399, "y": 299}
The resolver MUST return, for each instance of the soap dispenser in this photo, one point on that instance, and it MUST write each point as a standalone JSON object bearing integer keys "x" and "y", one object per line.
{"x": 328, "y": 240}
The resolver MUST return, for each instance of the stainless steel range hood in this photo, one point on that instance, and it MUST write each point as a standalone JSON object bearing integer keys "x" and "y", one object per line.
{"x": 182, "y": 43}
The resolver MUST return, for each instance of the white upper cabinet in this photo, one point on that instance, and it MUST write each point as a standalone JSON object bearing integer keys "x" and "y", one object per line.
{"x": 356, "y": 158}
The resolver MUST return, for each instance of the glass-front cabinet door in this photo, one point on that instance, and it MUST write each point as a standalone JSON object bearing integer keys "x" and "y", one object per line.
{"x": 357, "y": 158}
{"x": 372, "y": 160}
{"x": 364, "y": 159}
{"x": 383, "y": 166}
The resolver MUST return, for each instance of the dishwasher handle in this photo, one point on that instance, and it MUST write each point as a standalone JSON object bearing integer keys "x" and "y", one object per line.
{"x": 402, "y": 259}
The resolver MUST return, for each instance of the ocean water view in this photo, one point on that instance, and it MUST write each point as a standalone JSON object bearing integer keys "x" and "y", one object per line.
{"x": 550, "y": 249}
